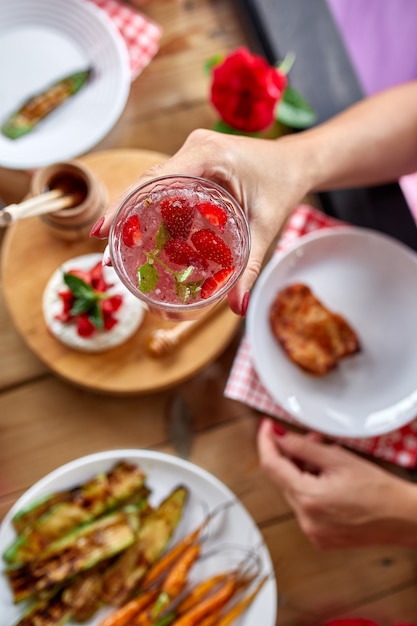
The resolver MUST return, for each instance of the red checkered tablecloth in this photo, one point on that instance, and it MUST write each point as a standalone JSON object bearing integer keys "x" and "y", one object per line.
{"x": 399, "y": 446}
{"x": 140, "y": 34}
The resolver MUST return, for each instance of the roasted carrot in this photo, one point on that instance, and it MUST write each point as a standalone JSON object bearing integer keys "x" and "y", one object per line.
{"x": 172, "y": 586}
{"x": 208, "y": 606}
{"x": 126, "y": 613}
{"x": 177, "y": 578}
{"x": 200, "y": 590}
{"x": 164, "y": 563}
{"x": 159, "y": 568}
{"x": 242, "y": 605}
{"x": 210, "y": 620}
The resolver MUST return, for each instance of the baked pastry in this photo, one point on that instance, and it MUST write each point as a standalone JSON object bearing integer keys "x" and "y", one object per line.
{"x": 312, "y": 336}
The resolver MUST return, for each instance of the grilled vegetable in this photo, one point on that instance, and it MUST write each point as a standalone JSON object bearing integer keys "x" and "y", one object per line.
{"x": 241, "y": 606}
{"x": 52, "y": 612}
{"x": 78, "y": 551}
{"x": 157, "y": 528}
{"x": 38, "y": 106}
{"x": 83, "y": 594}
{"x": 40, "y": 525}
{"x": 127, "y": 613}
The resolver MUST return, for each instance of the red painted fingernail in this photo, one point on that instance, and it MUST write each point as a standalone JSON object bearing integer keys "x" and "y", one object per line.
{"x": 245, "y": 303}
{"x": 95, "y": 231}
{"x": 279, "y": 430}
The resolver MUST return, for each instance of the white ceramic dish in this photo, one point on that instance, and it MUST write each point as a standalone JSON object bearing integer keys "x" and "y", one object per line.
{"x": 164, "y": 473}
{"x": 129, "y": 316}
{"x": 42, "y": 41}
{"x": 371, "y": 280}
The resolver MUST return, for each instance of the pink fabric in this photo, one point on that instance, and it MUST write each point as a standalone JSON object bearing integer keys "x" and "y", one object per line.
{"x": 140, "y": 34}
{"x": 381, "y": 41}
{"x": 399, "y": 446}
{"x": 408, "y": 186}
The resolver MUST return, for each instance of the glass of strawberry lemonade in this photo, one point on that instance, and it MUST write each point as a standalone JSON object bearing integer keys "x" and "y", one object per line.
{"x": 179, "y": 243}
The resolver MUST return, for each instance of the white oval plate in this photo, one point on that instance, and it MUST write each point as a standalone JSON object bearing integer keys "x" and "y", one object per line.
{"x": 42, "y": 41}
{"x": 371, "y": 280}
{"x": 164, "y": 472}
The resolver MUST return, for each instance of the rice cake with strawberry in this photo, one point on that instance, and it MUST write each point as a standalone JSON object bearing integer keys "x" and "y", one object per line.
{"x": 87, "y": 308}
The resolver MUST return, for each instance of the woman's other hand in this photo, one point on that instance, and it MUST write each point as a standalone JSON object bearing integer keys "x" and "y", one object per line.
{"x": 341, "y": 500}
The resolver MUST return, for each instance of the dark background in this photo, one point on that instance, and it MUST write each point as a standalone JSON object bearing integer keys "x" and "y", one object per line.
{"x": 324, "y": 75}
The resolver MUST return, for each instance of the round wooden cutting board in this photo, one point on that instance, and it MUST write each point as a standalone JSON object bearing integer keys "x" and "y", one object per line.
{"x": 30, "y": 256}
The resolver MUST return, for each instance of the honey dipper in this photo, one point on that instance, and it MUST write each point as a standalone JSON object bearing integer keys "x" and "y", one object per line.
{"x": 163, "y": 341}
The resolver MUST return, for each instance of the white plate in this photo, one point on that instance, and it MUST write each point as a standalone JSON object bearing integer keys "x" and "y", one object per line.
{"x": 42, "y": 41}
{"x": 129, "y": 316}
{"x": 164, "y": 473}
{"x": 371, "y": 280}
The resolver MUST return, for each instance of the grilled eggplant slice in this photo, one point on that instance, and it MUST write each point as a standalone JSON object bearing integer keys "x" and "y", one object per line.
{"x": 40, "y": 525}
{"x": 124, "y": 576}
{"x": 42, "y": 104}
{"x": 79, "y": 550}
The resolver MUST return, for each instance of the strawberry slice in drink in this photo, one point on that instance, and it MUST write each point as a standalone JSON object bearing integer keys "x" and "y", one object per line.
{"x": 181, "y": 253}
{"x": 212, "y": 284}
{"x": 214, "y": 214}
{"x": 178, "y": 217}
{"x": 132, "y": 232}
{"x": 212, "y": 247}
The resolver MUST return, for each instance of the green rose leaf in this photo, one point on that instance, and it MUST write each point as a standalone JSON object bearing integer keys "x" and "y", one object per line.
{"x": 147, "y": 277}
{"x": 294, "y": 111}
{"x": 222, "y": 127}
{"x": 211, "y": 63}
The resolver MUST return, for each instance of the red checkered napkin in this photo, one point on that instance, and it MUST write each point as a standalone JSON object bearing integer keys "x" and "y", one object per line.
{"x": 399, "y": 446}
{"x": 140, "y": 34}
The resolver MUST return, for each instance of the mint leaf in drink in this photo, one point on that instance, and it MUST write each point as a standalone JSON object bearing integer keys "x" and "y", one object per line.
{"x": 185, "y": 290}
{"x": 162, "y": 237}
{"x": 182, "y": 276}
{"x": 147, "y": 277}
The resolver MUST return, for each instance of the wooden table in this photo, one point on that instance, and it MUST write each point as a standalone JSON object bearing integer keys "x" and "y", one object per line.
{"x": 45, "y": 421}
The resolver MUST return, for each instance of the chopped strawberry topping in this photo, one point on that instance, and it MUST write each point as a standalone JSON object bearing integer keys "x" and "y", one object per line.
{"x": 212, "y": 284}
{"x": 178, "y": 217}
{"x": 112, "y": 304}
{"x": 214, "y": 214}
{"x": 67, "y": 298}
{"x": 85, "y": 276}
{"x": 97, "y": 279}
{"x": 211, "y": 247}
{"x": 94, "y": 277}
{"x": 85, "y": 327}
{"x": 132, "y": 232}
{"x": 181, "y": 253}
{"x": 109, "y": 321}
{"x": 96, "y": 284}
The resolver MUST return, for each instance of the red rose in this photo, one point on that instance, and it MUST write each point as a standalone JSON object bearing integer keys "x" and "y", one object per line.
{"x": 245, "y": 91}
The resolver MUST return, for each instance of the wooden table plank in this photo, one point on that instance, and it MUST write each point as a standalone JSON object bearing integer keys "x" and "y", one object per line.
{"x": 18, "y": 364}
{"x": 320, "y": 585}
